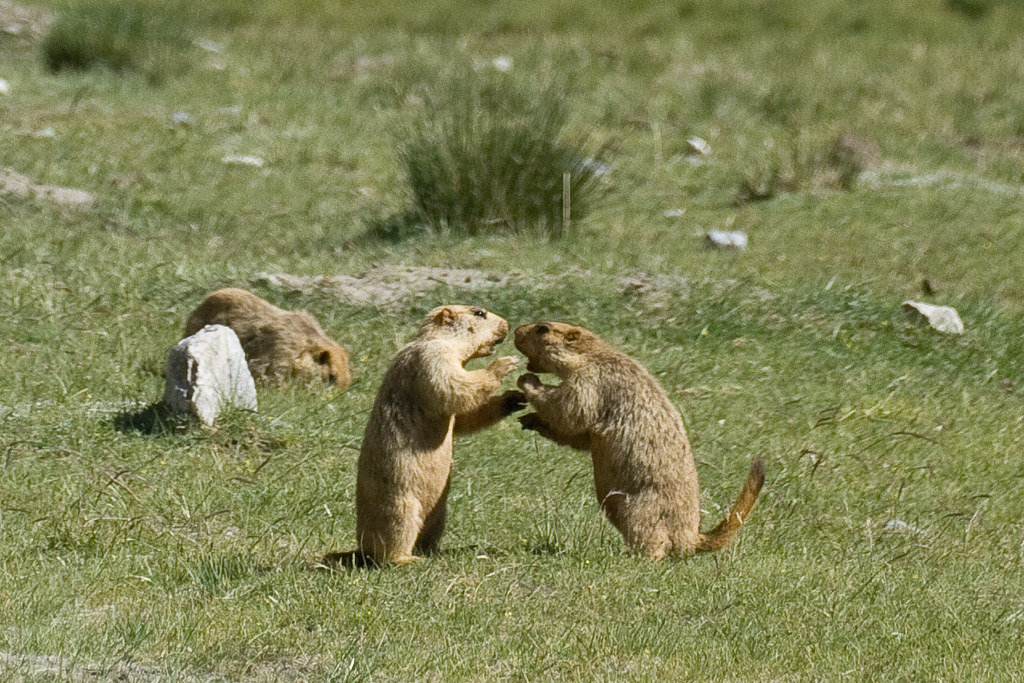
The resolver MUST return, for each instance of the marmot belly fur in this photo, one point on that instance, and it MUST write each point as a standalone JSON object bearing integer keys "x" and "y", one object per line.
{"x": 277, "y": 343}
{"x": 406, "y": 456}
{"x": 644, "y": 471}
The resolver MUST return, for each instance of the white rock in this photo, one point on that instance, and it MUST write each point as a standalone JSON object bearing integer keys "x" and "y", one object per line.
{"x": 5, "y": 87}
{"x": 721, "y": 239}
{"x": 502, "y": 63}
{"x": 943, "y": 319}
{"x": 243, "y": 160}
{"x": 698, "y": 146}
{"x": 45, "y": 133}
{"x": 674, "y": 213}
{"x": 208, "y": 45}
{"x": 182, "y": 118}
{"x": 598, "y": 168}
{"x": 206, "y": 372}
{"x": 899, "y": 525}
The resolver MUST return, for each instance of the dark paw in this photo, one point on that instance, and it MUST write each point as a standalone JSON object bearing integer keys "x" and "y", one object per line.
{"x": 532, "y": 422}
{"x": 528, "y": 380}
{"x": 513, "y": 401}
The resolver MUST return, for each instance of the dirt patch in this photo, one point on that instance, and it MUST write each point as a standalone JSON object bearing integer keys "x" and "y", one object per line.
{"x": 22, "y": 186}
{"x": 61, "y": 668}
{"x": 27, "y": 22}
{"x": 386, "y": 286}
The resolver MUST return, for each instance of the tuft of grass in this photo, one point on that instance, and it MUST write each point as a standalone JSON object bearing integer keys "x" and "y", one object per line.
{"x": 800, "y": 163}
{"x": 972, "y": 9}
{"x": 121, "y": 35}
{"x": 489, "y": 153}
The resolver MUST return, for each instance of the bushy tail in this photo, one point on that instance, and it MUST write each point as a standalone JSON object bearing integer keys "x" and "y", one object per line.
{"x": 722, "y": 535}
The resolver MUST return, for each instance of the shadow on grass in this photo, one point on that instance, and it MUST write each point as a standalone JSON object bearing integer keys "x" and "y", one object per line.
{"x": 354, "y": 559}
{"x": 153, "y": 420}
{"x": 393, "y": 229}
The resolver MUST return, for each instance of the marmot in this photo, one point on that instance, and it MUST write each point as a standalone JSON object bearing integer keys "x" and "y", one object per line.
{"x": 277, "y": 343}
{"x": 644, "y": 471}
{"x": 406, "y": 456}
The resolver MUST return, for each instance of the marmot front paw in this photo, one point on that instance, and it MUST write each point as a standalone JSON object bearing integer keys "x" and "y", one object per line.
{"x": 529, "y": 380}
{"x": 500, "y": 367}
{"x": 532, "y": 422}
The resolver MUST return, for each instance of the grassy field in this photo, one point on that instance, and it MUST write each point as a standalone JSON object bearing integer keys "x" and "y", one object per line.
{"x": 888, "y": 542}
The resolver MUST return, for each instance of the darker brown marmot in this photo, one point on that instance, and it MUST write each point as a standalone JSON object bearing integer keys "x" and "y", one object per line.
{"x": 277, "y": 343}
{"x": 644, "y": 471}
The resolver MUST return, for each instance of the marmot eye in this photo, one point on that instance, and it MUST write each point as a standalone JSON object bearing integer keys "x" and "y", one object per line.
{"x": 324, "y": 358}
{"x": 543, "y": 329}
{"x": 479, "y": 312}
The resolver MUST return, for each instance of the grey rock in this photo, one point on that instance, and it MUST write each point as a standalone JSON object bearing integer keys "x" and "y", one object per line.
{"x": 207, "y": 372}
{"x": 943, "y": 319}
{"x": 22, "y": 186}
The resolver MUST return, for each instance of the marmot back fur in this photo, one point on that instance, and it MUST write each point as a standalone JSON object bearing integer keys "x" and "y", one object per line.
{"x": 644, "y": 471}
{"x": 406, "y": 457}
{"x": 277, "y": 343}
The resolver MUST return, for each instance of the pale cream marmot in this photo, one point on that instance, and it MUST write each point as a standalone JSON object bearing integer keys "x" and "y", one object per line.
{"x": 426, "y": 396}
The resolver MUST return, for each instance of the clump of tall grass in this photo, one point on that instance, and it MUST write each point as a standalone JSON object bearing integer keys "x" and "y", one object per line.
{"x": 804, "y": 164}
{"x": 149, "y": 37}
{"x": 488, "y": 151}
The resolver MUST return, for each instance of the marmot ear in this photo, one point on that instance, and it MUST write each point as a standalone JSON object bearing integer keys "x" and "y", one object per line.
{"x": 572, "y": 335}
{"x": 445, "y": 316}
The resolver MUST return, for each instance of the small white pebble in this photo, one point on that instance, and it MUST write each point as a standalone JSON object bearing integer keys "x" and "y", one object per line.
{"x": 698, "y": 146}
{"x": 243, "y": 160}
{"x": 209, "y": 46}
{"x": 5, "y": 87}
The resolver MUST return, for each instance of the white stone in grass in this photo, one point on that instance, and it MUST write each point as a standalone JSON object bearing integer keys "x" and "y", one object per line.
{"x": 698, "y": 146}
{"x": 596, "y": 168}
{"x": 723, "y": 239}
{"x": 182, "y": 118}
{"x": 5, "y": 87}
{"x": 943, "y": 319}
{"x": 243, "y": 160}
{"x": 502, "y": 63}
{"x": 900, "y": 526}
{"x": 207, "y": 372}
{"x": 208, "y": 45}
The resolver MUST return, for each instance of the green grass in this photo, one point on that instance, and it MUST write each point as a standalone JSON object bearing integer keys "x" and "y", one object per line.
{"x": 189, "y": 554}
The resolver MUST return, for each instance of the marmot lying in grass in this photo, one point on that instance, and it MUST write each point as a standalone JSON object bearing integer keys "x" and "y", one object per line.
{"x": 277, "y": 343}
{"x": 644, "y": 470}
{"x": 406, "y": 457}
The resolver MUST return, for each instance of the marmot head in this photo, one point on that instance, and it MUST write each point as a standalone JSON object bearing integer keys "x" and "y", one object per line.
{"x": 328, "y": 360}
{"x": 481, "y": 330}
{"x": 553, "y": 347}
{"x": 319, "y": 355}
